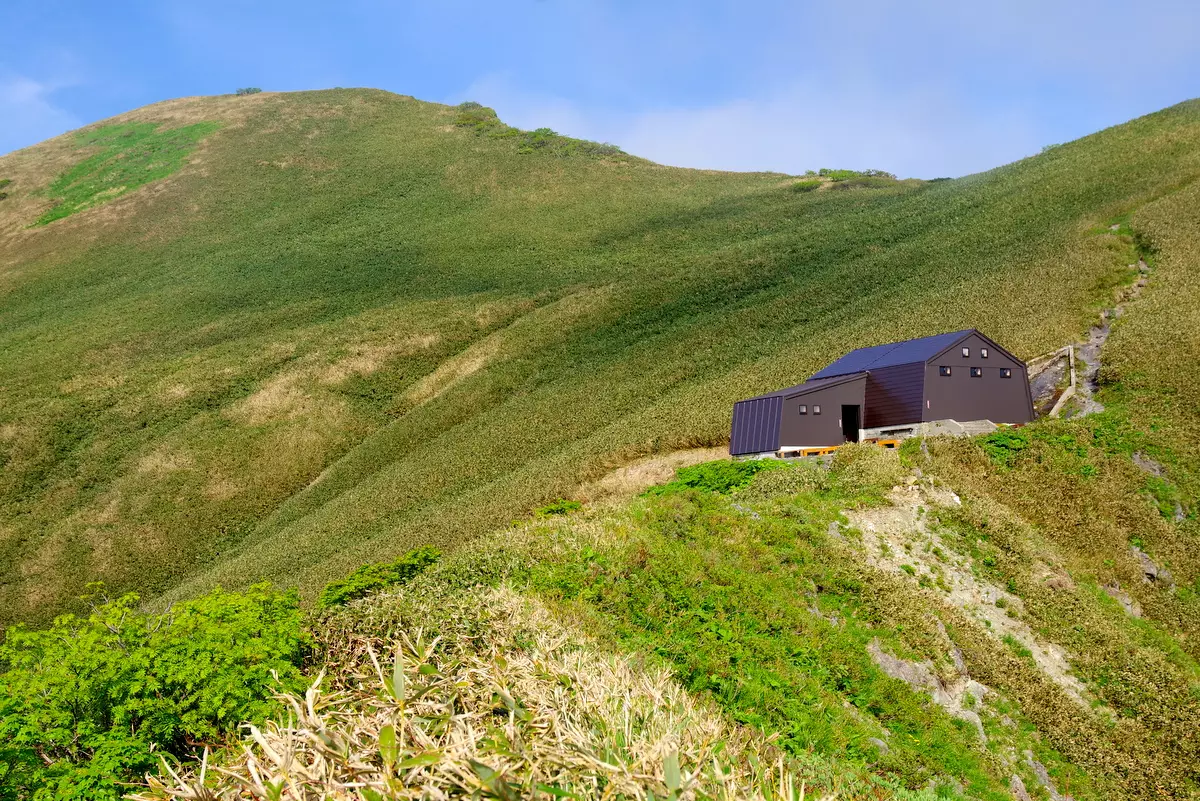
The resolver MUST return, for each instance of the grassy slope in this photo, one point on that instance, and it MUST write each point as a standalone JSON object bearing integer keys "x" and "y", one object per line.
{"x": 763, "y": 612}
{"x": 348, "y": 327}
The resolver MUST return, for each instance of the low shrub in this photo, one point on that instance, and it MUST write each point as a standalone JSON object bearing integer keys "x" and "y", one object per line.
{"x": 1004, "y": 447}
{"x": 91, "y": 702}
{"x": 846, "y": 175}
{"x": 375, "y": 577}
{"x": 560, "y": 507}
{"x": 867, "y": 469}
{"x": 479, "y": 118}
{"x": 722, "y": 476}
{"x": 249, "y": 90}
{"x": 793, "y": 479}
{"x": 806, "y": 186}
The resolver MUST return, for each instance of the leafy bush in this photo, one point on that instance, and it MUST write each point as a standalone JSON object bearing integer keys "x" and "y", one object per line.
{"x": 867, "y": 469}
{"x": 722, "y": 476}
{"x": 559, "y": 507}
{"x": 1004, "y": 446}
{"x": 791, "y": 479}
{"x": 374, "y": 577}
{"x": 806, "y": 186}
{"x": 92, "y": 702}
{"x": 249, "y": 90}
{"x": 3, "y": 183}
{"x": 478, "y": 117}
{"x": 846, "y": 175}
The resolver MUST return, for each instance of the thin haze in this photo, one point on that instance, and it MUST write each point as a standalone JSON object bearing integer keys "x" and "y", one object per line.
{"x": 924, "y": 89}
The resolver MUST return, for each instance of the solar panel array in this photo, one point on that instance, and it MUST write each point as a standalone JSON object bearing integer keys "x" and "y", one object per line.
{"x": 755, "y": 425}
{"x": 891, "y": 355}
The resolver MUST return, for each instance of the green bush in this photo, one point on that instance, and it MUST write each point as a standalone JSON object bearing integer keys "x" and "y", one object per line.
{"x": 374, "y": 577}
{"x": 806, "y": 186}
{"x": 559, "y": 507}
{"x": 92, "y": 702}
{"x": 479, "y": 118}
{"x": 846, "y": 175}
{"x": 791, "y": 479}
{"x": 249, "y": 90}
{"x": 721, "y": 476}
{"x": 867, "y": 469}
{"x": 1003, "y": 447}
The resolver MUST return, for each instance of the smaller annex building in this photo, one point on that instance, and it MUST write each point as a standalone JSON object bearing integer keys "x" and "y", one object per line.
{"x": 887, "y": 391}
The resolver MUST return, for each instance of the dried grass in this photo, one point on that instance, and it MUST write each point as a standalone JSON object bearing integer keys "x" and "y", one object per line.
{"x": 517, "y": 709}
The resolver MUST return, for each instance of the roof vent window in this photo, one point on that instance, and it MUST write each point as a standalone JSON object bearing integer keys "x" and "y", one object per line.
{"x": 803, "y": 408}
{"x": 966, "y": 352}
{"x": 816, "y": 409}
{"x": 983, "y": 352}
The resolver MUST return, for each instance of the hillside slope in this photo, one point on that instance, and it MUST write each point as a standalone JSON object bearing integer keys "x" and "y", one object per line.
{"x": 282, "y": 335}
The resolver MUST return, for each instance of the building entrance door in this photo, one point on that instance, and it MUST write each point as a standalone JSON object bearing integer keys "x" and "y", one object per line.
{"x": 851, "y": 417}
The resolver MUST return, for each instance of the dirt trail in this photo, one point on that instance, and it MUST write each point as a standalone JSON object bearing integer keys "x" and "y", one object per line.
{"x": 1046, "y": 378}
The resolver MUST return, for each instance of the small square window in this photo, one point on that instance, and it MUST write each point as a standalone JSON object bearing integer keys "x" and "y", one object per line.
{"x": 803, "y": 408}
{"x": 944, "y": 370}
{"x": 1006, "y": 372}
{"x": 816, "y": 409}
{"x": 976, "y": 372}
{"x": 983, "y": 352}
{"x": 966, "y": 352}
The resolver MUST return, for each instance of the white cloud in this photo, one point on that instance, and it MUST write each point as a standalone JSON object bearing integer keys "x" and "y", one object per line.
{"x": 924, "y": 132}
{"x": 28, "y": 113}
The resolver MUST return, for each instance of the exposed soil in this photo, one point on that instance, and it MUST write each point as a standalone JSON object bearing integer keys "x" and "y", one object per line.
{"x": 900, "y": 538}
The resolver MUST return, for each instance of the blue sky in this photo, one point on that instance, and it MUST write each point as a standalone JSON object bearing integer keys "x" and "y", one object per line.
{"x": 918, "y": 88}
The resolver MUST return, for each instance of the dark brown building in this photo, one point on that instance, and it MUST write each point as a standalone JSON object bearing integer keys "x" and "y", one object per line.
{"x": 887, "y": 390}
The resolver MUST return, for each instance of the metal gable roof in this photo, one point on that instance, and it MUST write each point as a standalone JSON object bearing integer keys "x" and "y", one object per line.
{"x": 808, "y": 386}
{"x": 892, "y": 354}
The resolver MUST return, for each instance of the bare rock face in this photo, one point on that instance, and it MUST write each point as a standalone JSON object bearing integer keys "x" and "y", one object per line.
{"x": 1114, "y": 591}
{"x": 1017, "y": 787}
{"x": 976, "y": 690}
{"x": 918, "y": 675}
{"x": 1151, "y": 571}
{"x": 1043, "y": 777}
{"x": 974, "y": 719}
{"x": 921, "y": 677}
{"x": 1147, "y": 464}
{"x": 880, "y": 744}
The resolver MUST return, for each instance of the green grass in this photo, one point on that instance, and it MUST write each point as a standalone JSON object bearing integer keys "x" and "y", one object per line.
{"x": 356, "y": 326}
{"x": 129, "y": 156}
{"x": 752, "y": 602}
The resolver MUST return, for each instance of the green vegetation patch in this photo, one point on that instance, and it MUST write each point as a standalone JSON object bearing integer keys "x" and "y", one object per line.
{"x": 560, "y": 507}
{"x": 375, "y": 577}
{"x": 484, "y": 122}
{"x": 754, "y": 608}
{"x": 4, "y": 184}
{"x": 130, "y": 155}
{"x": 92, "y": 702}
{"x": 722, "y": 476}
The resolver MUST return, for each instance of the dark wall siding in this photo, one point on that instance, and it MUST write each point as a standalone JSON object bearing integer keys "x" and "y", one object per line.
{"x": 808, "y": 430}
{"x": 755, "y": 426}
{"x": 989, "y": 397}
{"x": 894, "y": 395}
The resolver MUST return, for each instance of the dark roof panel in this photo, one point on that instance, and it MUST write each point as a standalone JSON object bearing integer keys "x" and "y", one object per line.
{"x": 755, "y": 427}
{"x": 807, "y": 386}
{"x": 891, "y": 355}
